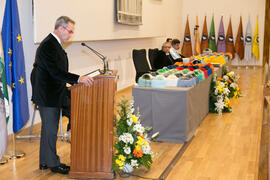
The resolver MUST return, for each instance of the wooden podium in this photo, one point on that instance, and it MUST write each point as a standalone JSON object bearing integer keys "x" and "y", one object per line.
{"x": 92, "y": 113}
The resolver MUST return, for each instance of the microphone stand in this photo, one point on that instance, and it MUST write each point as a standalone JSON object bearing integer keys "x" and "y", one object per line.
{"x": 102, "y": 57}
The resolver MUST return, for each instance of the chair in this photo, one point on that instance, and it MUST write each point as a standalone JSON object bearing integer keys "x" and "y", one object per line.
{"x": 140, "y": 62}
{"x": 152, "y": 54}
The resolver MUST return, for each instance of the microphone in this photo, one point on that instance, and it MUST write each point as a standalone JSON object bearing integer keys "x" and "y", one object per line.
{"x": 102, "y": 57}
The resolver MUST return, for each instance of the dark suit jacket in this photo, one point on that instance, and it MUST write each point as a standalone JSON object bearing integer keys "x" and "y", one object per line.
{"x": 162, "y": 60}
{"x": 50, "y": 74}
{"x": 179, "y": 59}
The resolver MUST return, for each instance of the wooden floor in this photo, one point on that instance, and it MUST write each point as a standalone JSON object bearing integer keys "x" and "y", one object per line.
{"x": 224, "y": 146}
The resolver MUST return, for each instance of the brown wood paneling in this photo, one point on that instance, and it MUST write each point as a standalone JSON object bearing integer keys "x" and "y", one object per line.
{"x": 92, "y": 112}
{"x": 266, "y": 33}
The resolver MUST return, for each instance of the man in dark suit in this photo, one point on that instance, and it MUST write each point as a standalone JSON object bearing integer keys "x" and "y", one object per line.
{"x": 163, "y": 58}
{"x": 48, "y": 78}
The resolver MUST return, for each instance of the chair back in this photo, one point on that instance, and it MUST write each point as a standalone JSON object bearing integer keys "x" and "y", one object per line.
{"x": 140, "y": 61}
{"x": 152, "y": 54}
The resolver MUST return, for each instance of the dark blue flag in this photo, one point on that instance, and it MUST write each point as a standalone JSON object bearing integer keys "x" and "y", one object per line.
{"x": 14, "y": 64}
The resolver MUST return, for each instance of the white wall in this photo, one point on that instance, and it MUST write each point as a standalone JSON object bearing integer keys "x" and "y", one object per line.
{"x": 89, "y": 27}
{"x": 227, "y": 9}
{"x": 81, "y": 60}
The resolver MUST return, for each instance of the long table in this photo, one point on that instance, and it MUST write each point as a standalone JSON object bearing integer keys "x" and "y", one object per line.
{"x": 174, "y": 112}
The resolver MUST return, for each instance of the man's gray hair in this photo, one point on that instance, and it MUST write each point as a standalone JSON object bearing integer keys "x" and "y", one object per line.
{"x": 63, "y": 21}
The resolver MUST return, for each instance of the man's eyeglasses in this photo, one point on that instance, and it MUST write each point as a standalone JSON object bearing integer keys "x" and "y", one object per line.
{"x": 68, "y": 30}
{"x": 166, "y": 46}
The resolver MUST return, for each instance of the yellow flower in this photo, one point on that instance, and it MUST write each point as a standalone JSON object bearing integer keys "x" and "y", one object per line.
{"x": 227, "y": 102}
{"x": 134, "y": 118}
{"x": 121, "y": 164}
{"x": 121, "y": 157}
{"x": 220, "y": 89}
{"x": 218, "y": 82}
{"x": 229, "y": 74}
{"x": 225, "y": 83}
{"x": 236, "y": 94}
{"x": 138, "y": 147}
{"x": 117, "y": 161}
{"x": 141, "y": 141}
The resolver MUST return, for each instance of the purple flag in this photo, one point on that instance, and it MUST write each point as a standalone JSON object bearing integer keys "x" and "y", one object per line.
{"x": 221, "y": 44}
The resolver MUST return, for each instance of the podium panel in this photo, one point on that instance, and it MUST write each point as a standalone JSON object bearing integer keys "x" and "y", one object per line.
{"x": 92, "y": 113}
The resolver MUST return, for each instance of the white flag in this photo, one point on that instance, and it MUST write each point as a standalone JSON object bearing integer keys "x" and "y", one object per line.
{"x": 248, "y": 42}
{"x": 3, "y": 125}
{"x": 3, "y": 105}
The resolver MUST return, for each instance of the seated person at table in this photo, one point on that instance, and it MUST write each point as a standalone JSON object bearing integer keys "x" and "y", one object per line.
{"x": 169, "y": 40}
{"x": 174, "y": 51}
{"x": 163, "y": 58}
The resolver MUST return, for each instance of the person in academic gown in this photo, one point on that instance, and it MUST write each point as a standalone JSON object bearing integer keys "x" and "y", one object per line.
{"x": 163, "y": 57}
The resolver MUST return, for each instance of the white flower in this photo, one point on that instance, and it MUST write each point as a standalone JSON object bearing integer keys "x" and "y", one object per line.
{"x": 126, "y": 138}
{"x": 233, "y": 85}
{"x": 131, "y": 106}
{"x": 225, "y": 77}
{"x": 127, "y": 149}
{"x": 220, "y": 105}
{"x": 129, "y": 115}
{"x": 134, "y": 163}
{"x": 216, "y": 91}
{"x": 232, "y": 73}
{"x": 221, "y": 84}
{"x": 139, "y": 128}
{"x": 129, "y": 121}
{"x": 146, "y": 149}
{"x": 127, "y": 168}
{"x": 226, "y": 91}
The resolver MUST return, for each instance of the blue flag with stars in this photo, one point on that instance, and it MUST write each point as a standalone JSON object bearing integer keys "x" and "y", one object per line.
{"x": 14, "y": 64}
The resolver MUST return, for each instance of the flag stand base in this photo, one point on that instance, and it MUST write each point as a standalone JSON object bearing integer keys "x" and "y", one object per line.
{"x": 16, "y": 154}
{"x": 3, "y": 161}
{"x": 27, "y": 136}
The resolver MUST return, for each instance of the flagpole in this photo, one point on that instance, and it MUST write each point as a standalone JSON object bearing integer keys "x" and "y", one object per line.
{"x": 13, "y": 154}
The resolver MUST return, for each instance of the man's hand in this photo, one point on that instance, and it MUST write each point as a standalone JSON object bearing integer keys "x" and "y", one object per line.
{"x": 191, "y": 58}
{"x": 86, "y": 80}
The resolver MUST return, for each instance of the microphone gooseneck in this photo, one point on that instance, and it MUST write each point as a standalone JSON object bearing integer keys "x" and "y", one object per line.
{"x": 102, "y": 57}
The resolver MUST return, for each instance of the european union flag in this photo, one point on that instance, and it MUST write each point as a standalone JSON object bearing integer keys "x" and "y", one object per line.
{"x": 14, "y": 64}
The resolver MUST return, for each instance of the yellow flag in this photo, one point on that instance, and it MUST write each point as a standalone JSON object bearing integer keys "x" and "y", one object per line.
{"x": 255, "y": 45}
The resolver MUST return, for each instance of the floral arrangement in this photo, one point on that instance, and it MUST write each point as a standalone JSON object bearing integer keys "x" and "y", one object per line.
{"x": 219, "y": 100}
{"x": 132, "y": 146}
{"x": 222, "y": 89}
{"x": 231, "y": 78}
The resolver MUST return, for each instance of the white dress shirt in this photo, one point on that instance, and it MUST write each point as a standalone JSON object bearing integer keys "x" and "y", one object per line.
{"x": 174, "y": 53}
